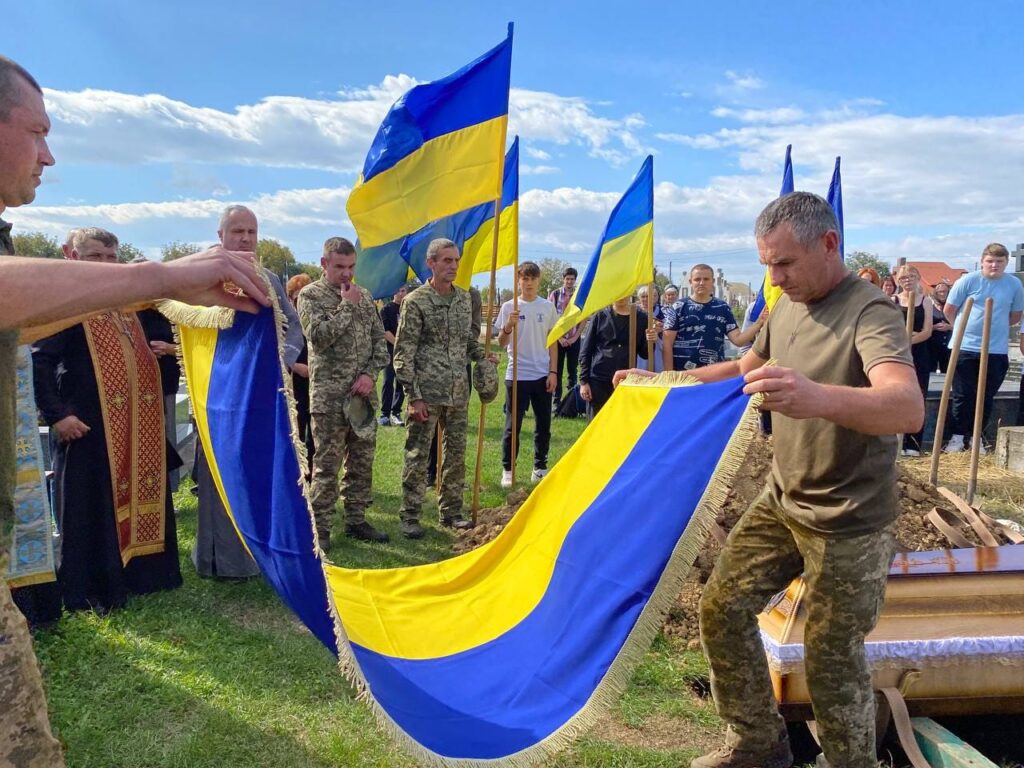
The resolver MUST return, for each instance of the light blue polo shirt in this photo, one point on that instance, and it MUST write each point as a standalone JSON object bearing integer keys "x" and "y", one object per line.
{"x": 1007, "y": 295}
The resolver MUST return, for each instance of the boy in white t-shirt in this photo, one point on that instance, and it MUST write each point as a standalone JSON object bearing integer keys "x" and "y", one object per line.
{"x": 536, "y": 369}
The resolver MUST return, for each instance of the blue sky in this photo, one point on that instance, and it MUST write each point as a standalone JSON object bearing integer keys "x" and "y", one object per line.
{"x": 165, "y": 112}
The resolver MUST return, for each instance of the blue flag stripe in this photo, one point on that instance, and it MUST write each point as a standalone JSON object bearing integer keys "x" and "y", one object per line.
{"x": 474, "y": 94}
{"x": 508, "y": 694}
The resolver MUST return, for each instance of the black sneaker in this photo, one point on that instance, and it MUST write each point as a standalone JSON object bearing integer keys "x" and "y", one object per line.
{"x": 366, "y": 532}
{"x": 458, "y": 523}
{"x": 411, "y": 529}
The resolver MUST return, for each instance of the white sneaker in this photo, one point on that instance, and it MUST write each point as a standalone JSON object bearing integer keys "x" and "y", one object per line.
{"x": 396, "y": 421}
{"x": 982, "y": 450}
{"x": 910, "y": 452}
{"x": 506, "y": 478}
{"x": 955, "y": 444}
{"x": 537, "y": 475}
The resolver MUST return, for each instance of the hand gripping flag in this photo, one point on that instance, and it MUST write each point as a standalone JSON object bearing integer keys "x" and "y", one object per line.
{"x": 439, "y": 151}
{"x": 835, "y": 199}
{"x": 624, "y": 258}
{"x": 499, "y": 656}
{"x": 382, "y": 269}
{"x": 768, "y": 294}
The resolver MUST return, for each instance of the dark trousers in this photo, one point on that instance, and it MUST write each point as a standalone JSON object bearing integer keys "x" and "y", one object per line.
{"x": 391, "y": 395}
{"x": 600, "y": 391}
{"x": 965, "y": 389}
{"x": 530, "y": 393}
{"x": 923, "y": 369}
{"x": 567, "y": 355}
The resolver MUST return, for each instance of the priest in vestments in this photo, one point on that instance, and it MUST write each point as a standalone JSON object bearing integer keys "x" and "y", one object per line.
{"x": 97, "y": 385}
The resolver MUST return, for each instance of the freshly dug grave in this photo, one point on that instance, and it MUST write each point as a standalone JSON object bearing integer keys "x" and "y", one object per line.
{"x": 914, "y": 532}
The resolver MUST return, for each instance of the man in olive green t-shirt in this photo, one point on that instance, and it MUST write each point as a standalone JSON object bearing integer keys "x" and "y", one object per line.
{"x": 843, "y": 385}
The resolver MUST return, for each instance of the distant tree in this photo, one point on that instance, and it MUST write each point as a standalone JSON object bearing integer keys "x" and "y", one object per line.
{"x": 126, "y": 252}
{"x": 313, "y": 270}
{"x": 37, "y": 244}
{"x": 861, "y": 259}
{"x": 551, "y": 275}
{"x": 505, "y": 294}
{"x": 277, "y": 257}
{"x": 176, "y": 249}
{"x": 660, "y": 280}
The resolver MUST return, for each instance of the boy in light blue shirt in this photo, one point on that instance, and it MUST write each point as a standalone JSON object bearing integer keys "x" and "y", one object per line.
{"x": 1007, "y": 294}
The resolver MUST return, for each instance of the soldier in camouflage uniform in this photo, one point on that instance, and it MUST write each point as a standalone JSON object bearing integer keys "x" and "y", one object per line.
{"x": 843, "y": 386}
{"x": 434, "y": 343}
{"x": 347, "y": 351}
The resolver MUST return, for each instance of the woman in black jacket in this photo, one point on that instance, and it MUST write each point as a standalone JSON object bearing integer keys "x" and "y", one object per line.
{"x": 605, "y": 350}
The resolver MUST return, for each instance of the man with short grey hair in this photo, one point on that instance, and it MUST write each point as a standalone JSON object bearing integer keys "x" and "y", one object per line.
{"x": 842, "y": 387}
{"x": 435, "y": 340}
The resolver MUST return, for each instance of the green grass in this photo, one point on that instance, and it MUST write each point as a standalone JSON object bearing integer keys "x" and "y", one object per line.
{"x": 221, "y": 674}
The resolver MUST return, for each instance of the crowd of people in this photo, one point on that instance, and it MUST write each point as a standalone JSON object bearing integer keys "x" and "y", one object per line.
{"x": 847, "y": 380}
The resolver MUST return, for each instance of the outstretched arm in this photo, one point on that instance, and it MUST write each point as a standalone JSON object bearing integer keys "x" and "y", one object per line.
{"x": 75, "y": 288}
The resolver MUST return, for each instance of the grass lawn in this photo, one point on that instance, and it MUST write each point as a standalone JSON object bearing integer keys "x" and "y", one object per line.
{"x": 220, "y": 674}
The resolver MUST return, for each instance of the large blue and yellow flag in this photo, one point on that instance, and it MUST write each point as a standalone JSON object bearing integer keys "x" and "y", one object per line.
{"x": 473, "y": 231}
{"x": 384, "y": 268}
{"x": 623, "y": 259}
{"x": 768, "y": 294}
{"x": 499, "y": 656}
{"x": 835, "y": 199}
{"x": 439, "y": 151}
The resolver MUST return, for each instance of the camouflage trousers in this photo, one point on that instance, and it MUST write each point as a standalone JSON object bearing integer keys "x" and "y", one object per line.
{"x": 25, "y": 740}
{"x": 845, "y": 587}
{"x": 336, "y": 442}
{"x": 454, "y": 422}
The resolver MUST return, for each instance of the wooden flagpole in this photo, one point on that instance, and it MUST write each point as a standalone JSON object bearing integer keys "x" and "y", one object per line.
{"x": 947, "y": 386}
{"x": 439, "y": 436}
{"x": 979, "y": 400}
{"x": 650, "y": 325}
{"x": 632, "y": 334}
{"x": 514, "y": 362}
{"x": 492, "y": 298}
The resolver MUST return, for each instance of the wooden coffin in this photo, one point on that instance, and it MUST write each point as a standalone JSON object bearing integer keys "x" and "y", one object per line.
{"x": 951, "y": 634}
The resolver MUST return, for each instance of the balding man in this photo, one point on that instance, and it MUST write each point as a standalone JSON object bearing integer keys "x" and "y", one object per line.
{"x": 218, "y": 551}
{"x": 73, "y": 288}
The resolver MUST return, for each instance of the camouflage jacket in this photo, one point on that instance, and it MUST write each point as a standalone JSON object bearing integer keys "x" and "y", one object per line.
{"x": 435, "y": 341}
{"x": 345, "y": 340}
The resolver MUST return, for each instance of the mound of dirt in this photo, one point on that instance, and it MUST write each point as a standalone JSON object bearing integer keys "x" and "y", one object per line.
{"x": 914, "y": 532}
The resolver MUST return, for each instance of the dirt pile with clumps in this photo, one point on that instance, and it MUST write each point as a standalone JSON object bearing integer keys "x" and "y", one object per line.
{"x": 914, "y": 532}
{"x": 489, "y": 523}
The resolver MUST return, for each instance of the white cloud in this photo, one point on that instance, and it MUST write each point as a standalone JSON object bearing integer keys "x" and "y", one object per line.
{"x": 537, "y": 170}
{"x": 108, "y": 127}
{"x": 285, "y": 208}
{"x": 777, "y": 115}
{"x": 538, "y": 154}
{"x": 744, "y": 82}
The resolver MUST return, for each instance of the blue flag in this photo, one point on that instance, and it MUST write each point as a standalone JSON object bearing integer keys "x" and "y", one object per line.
{"x": 835, "y": 199}
{"x": 766, "y": 294}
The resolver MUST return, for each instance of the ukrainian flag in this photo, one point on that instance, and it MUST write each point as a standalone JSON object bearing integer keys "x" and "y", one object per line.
{"x": 768, "y": 294}
{"x": 500, "y": 656}
{"x": 473, "y": 231}
{"x": 384, "y": 268}
{"x": 624, "y": 258}
{"x": 438, "y": 151}
{"x": 835, "y": 199}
